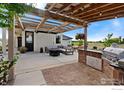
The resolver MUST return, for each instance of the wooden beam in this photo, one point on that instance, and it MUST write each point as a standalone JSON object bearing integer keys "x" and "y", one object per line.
{"x": 41, "y": 23}
{"x": 63, "y": 25}
{"x": 64, "y": 7}
{"x": 68, "y": 29}
{"x": 106, "y": 18}
{"x": 51, "y": 7}
{"x": 93, "y": 9}
{"x": 20, "y": 22}
{"x": 77, "y": 8}
{"x": 116, "y": 13}
{"x": 45, "y": 18}
{"x": 50, "y": 15}
{"x": 105, "y": 10}
{"x": 64, "y": 18}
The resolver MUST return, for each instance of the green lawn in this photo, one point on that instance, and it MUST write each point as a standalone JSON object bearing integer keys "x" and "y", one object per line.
{"x": 98, "y": 45}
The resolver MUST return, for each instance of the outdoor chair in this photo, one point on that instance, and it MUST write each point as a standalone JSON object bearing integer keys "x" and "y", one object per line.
{"x": 67, "y": 50}
{"x": 62, "y": 49}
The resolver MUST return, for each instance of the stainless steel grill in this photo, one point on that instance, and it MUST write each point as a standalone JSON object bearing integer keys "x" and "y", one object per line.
{"x": 113, "y": 54}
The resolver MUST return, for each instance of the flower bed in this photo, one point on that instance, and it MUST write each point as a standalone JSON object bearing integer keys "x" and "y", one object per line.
{"x": 5, "y": 66}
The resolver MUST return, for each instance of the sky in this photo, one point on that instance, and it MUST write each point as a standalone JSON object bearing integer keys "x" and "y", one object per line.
{"x": 96, "y": 31}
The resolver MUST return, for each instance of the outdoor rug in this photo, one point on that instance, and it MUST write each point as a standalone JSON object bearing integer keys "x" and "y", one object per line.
{"x": 73, "y": 74}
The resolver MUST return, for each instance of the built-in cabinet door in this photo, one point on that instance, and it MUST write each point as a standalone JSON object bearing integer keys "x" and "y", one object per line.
{"x": 94, "y": 62}
{"x": 29, "y": 40}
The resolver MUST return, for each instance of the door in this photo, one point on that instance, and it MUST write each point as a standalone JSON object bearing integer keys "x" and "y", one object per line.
{"x": 19, "y": 42}
{"x": 29, "y": 40}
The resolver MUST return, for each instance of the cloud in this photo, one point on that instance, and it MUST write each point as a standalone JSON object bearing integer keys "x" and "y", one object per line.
{"x": 116, "y": 23}
{"x": 41, "y": 5}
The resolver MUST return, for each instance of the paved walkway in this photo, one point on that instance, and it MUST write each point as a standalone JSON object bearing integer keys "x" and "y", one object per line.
{"x": 28, "y": 69}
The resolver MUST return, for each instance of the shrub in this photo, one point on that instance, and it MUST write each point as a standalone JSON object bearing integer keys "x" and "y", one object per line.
{"x": 80, "y": 43}
{"x": 95, "y": 47}
{"x": 23, "y": 49}
{"x": 5, "y": 66}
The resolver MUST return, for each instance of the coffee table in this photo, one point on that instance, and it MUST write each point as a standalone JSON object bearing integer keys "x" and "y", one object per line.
{"x": 54, "y": 52}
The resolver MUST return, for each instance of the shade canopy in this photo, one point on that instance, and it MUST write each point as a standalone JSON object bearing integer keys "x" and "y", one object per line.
{"x": 62, "y": 17}
{"x": 38, "y": 21}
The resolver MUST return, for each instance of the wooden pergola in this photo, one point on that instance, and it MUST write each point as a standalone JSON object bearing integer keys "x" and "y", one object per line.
{"x": 37, "y": 20}
{"x": 66, "y": 16}
{"x": 62, "y": 17}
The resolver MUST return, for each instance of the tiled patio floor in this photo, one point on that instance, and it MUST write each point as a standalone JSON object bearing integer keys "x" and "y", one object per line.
{"x": 28, "y": 69}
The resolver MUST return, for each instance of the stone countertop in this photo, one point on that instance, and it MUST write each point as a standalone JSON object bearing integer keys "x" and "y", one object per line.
{"x": 92, "y": 50}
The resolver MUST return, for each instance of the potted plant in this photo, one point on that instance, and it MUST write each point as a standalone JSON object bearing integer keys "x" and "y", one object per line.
{"x": 22, "y": 49}
{"x": 95, "y": 47}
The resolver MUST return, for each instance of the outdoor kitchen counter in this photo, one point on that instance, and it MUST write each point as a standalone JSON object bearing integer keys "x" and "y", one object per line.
{"x": 91, "y": 58}
{"x": 96, "y": 60}
{"x": 96, "y": 51}
{"x": 113, "y": 71}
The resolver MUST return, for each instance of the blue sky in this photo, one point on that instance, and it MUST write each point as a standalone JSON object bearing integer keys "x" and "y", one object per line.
{"x": 99, "y": 30}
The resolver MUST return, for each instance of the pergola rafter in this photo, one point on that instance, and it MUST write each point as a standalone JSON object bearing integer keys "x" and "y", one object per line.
{"x": 66, "y": 5}
{"x": 77, "y": 8}
{"x": 93, "y": 8}
{"x": 44, "y": 19}
{"x": 20, "y": 22}
{"x": 57, "y": 27}
{"x": 41, "y": 23}
{"x": 117, "y": 14}
{"x": 103, "y": 11}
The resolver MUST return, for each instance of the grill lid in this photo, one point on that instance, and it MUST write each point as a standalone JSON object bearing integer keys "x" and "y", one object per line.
{"x": 116, "y": 51}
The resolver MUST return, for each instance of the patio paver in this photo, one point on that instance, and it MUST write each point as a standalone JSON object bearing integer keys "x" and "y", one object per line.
{"x": 28, "y": 69}
{"x": 74, "y": 74}
{"x": 30, "y": 78}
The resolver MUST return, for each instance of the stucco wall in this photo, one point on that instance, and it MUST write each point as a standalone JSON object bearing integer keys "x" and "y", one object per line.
{"x": 43, "y": 40}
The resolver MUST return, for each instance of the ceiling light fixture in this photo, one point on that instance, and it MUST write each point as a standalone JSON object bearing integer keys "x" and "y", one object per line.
{"x": 100, "y": 13}
{"x": 116, "y": 17}
{"x": 82, "y": 8}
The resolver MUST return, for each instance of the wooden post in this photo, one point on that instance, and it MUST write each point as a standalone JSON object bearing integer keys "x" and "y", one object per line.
{"x": 85, "y": 43}
{"x": 11, "y": 32}
{"x": 23, "y": 38}
{"x": 85, "y": 38}
{"x": 10, "y": 44}
{"x": 4, "y": 40}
